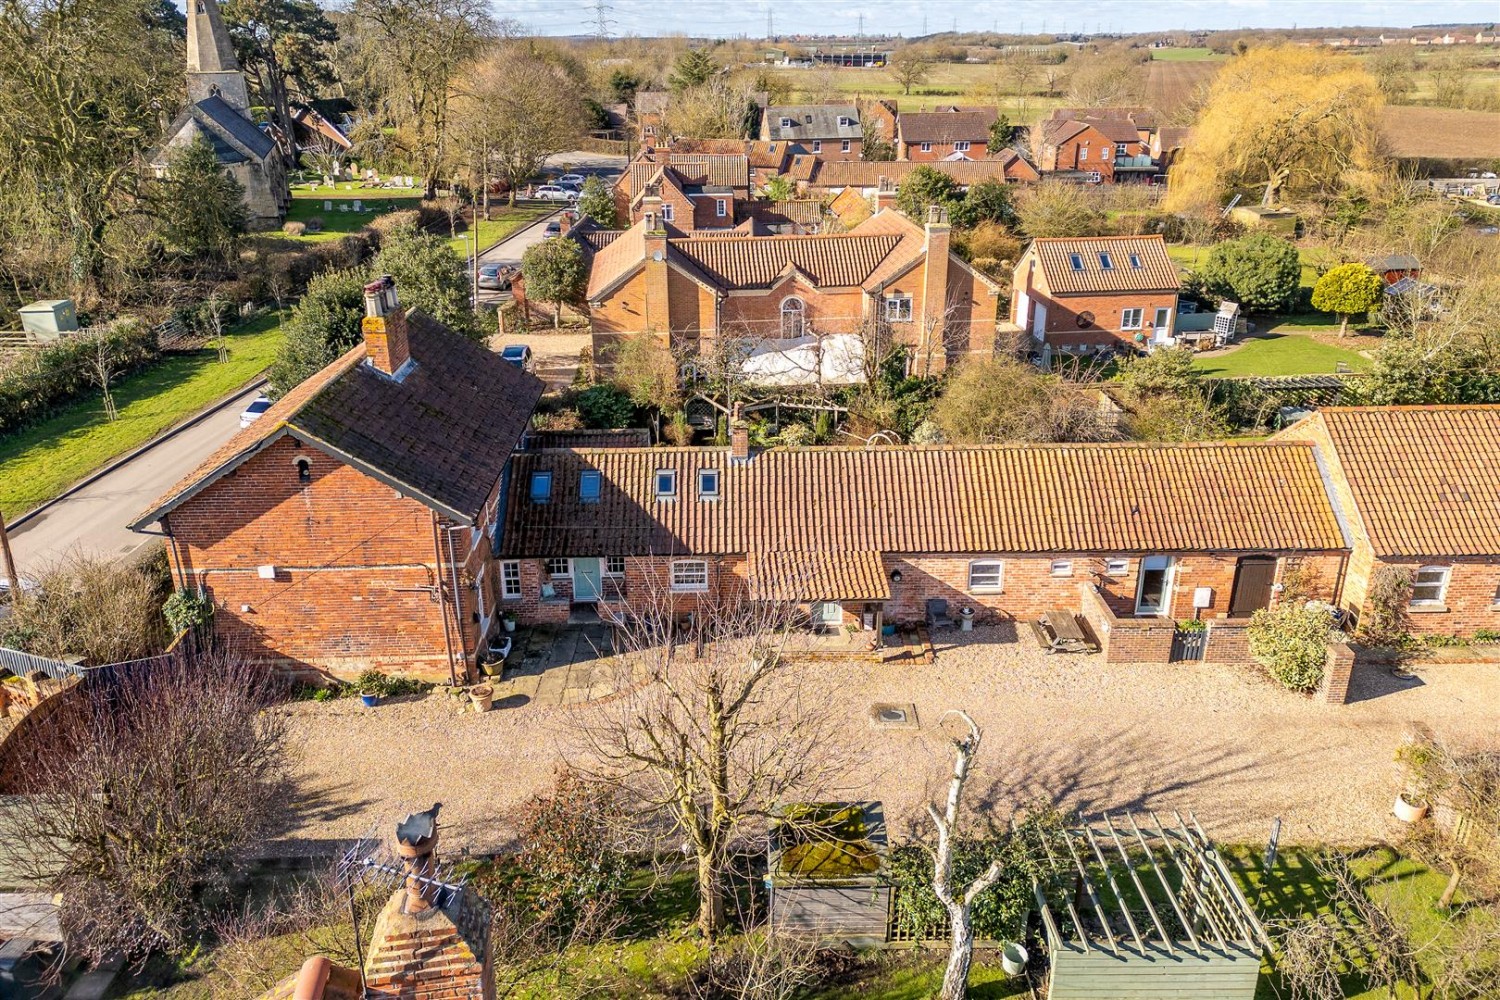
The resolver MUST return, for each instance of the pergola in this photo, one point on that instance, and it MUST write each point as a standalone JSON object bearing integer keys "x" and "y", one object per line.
{"x": 1134, "y": 908}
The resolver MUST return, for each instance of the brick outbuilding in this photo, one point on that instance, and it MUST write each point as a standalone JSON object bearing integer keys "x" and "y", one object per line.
{"x": 352, "y": 526}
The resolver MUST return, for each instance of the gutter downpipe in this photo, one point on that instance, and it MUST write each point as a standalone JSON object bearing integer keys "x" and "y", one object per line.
{"x": 437, "y": 551}
{"x": 458, "y": 607}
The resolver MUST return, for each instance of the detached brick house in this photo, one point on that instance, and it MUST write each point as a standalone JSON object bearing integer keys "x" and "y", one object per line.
{"x": 696, "y": 190}
{"x": 947, "y": 134}
{"x": 1086, "y": 294}
{"x": 657, "y": 279}
{"x": 352, "y": 526}
{"x": 1096, "y": 150}
{"x": 863, "y": 535}
{"x": 826, "y": 131}
{"x": 1419, "y": 490}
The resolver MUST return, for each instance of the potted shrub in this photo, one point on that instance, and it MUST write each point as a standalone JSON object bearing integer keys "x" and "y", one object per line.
{"x": 483, "y": 697}
{"x": 1415, "y": 798}
{"x": 509, "y": 621}
{"x": 369, "y": 698}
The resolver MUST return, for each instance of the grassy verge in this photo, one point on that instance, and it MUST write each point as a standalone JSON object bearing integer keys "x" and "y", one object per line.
{"x": 1185, "y": 55}
{"x": 42, "y": 461}
{"x": 307, "y": 206}
{"x": 1279, "y": 354}
{"x": 506, "y": 221}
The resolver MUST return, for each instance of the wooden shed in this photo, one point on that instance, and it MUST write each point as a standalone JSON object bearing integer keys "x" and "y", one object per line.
{"x": 1134, "y": 909}
{"x": 825, "y": 872}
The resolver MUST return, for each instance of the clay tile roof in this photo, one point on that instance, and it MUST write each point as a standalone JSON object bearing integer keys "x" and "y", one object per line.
{"x": 1155, "y": 273}
{"x": 839, "y": 261}
{"x": 818, "y": 576}
{"x": 867, "y": 174}
{"x": 618, "y": 258}
{"x": 947, "y": 126}
{"x": 1424, "y": 478}
{"x": 721, "y": 169}
{"x": 442, "y": 434}
{"x": 651, "y": 102}
{"x": 824, "y": 124}
{"x": 1121, "y": 498}
{"x": 1056, "y": 131}
{"x": 627, "y": 437}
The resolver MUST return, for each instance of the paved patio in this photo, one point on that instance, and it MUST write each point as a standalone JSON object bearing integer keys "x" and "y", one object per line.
{"x": 550, "y": 665}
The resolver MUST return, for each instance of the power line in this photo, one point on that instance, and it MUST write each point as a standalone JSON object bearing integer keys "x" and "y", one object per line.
{"x": 602, "y": 19}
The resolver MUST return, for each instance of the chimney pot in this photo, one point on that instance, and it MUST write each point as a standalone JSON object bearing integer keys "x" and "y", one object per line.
{"x": 384, "y": 327}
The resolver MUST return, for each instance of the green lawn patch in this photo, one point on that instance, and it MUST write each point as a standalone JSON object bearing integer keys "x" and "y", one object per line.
{"x": 910, "y": 981}
{"x": 40, "y": 462}
{"x": 306, "y": 206}
{"x": 505, "y": 220}
{"x": 1186, "y": 55}
{"x": 1279, "y": 354}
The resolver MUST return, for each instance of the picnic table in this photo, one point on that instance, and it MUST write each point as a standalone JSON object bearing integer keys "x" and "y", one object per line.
{"x": 1061, "y": 632}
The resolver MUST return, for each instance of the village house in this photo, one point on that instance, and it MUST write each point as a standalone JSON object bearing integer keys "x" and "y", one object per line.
{"x": 951, "y": 133}
{"x": 651, "y": 117}
{"x": 888, "y": 274}
{"x": 1097, "y": 150}
{"x": 352, "y": 525}
{"x": 861, "y": 536}
{"x": 219, "y": 109}
{"x": 696, "y": 190}
{"x": 826, "y": 131}
{"x": 1087, "y": 294}
{"x": 868, "y": 178}
{"x": 1416, "y": 488}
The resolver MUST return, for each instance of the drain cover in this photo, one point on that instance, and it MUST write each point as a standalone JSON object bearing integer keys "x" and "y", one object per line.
{"x": 885, "y": 715}
{"x": 892, "y": 715}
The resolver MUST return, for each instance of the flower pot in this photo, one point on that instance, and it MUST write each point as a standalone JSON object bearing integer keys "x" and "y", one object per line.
{"x": 492, "y": 668}
{"x": 966, "y": 620}
{"x": 483, "y": 697}
{"x": 1407, "y": 811}
{"x": 509, "y": 623}
{"x": 1013, "y": 959}
{"x": 369, "y": 698}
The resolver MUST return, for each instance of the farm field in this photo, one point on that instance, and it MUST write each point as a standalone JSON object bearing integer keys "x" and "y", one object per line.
{"x": 1440, "y": 133}
{"x": 948, "y": 83}
{"x": 1186, "y": 55}
{"x": 1171, "y": 83}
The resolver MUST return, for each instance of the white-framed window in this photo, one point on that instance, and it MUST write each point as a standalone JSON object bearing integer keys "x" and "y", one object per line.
{"x": 1120, "y": 149}
{"x": 1135, "y": 261}
{"x": 614, "y": 565}
{"x": 589, "y": 486}
{"x": 721, "y": 207}
{"x": 786, "y": 123}
{"x": 1062, "y": 567}
{"x": 666, "y": 484}
{"x": 1083, "y": 154}
{"x": 844, "y": 121}
{"x": 666, "y": 213}
{"x": 1429, "y": 586}
{"x": 898, "y": 309}
{"x": 689, "y": 574}
{"x": 1153, "y": 593}
{"x": 708, "y": 484}
{"x": 817, "y": 146}
{"x": 1163, "y": 317}
{"x": 541, "y": 487}
{"x": 1106, "y": 262}
{"x": 793, "y": 317}
{"x": 510, "y": 580}
{"x": 559, "y": 567}
{"x": 844, "y": 146}
{"x": 926, "y": 147}
{"x": 650, "y": 129}
{"x": 986, "y": 576}
{"x": 1131, "y": 319}
{"x": 1076, "y": 259}
{"x": 1094, "y": 177}
{"x": 1116, "y": 567}
{"x": 961, "y": 146}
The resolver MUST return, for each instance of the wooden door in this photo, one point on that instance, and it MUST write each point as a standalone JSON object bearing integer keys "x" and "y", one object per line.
{"x": 1253, "y": 578}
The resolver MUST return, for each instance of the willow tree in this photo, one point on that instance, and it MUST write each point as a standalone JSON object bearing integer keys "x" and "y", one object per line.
{"x": 1286, "y": 121}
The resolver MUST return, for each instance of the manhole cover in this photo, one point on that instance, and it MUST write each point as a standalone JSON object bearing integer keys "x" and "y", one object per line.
{"x": 892, "y": 715}
{"x": 885, "y": 715}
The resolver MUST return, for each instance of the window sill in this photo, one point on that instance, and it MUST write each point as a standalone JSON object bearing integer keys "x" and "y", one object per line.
{"x": 1427, "y": 609}
{"x": 512, "y": 597}
{"x": 689, "y": 590}
{"x": 986, "y": 591}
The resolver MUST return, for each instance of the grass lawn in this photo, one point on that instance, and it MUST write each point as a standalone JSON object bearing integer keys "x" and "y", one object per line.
{"x": 1185, "y": 55}
{"x": 506, "y": 221}
{"x": 1279, "y": 354}
{"x": 307, "y": 205}
{"x": 40, "y": 462}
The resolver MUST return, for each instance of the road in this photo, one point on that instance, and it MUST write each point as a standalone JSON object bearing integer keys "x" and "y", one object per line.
{"x": 92, "y": 520}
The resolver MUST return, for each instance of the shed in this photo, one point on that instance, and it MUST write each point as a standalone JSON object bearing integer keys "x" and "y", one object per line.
{"x": 1258, "y": 216}
{"x": 1134, "y": 909}
{"x": 825, "y": 872}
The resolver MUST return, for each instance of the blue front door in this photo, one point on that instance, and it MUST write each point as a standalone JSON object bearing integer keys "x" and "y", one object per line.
{"x": 585, "y": 579}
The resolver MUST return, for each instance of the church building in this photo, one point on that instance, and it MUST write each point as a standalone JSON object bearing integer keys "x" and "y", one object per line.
{"x": 219, "y": 108}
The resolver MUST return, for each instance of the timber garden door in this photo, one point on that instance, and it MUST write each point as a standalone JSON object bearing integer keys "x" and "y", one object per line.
{"x": 1253, "y": 578}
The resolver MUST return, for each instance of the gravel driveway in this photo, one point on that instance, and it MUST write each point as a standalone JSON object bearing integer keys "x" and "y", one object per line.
{"x": 1218, "y": 740}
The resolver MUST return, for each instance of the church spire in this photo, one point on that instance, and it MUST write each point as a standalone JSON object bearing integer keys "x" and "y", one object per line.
{"x": 212, "y": 69}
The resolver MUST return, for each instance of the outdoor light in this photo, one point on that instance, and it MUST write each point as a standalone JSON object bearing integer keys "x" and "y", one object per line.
{"x": 895, "y": 576}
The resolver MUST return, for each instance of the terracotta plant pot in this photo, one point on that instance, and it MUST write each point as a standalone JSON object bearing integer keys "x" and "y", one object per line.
{"x": 483, "y": 697}
{"x": 1407, "y": 811}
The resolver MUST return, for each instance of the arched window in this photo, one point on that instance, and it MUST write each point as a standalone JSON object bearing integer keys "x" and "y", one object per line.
{"x": 304, "y": 470}
{"x": 793, "y": 317}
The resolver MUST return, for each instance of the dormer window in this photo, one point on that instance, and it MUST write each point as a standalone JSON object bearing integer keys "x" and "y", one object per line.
{"x": 786, "y": 123}
{"x": 541, "y": 487}
{"x": 1076, "y": 259}
{"x": 1105, "y": 263}
{"x": 666, "y": 484}
{"x": 708, "y": 484}
{"x": 589, "y": 486}
{"x": 844, "y": 121}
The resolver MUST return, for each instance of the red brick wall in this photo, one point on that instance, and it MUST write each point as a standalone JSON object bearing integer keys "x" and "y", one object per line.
{"x": 942, "y": 150}
{"x": 1471, "y": 601}
{"x": 705, "y": 212}
{"x": 1063, "y": 331}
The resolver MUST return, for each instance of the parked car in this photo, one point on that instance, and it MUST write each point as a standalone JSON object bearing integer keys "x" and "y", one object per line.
{"x": 255, "y": 410}
{"x": 552, "y": 192}
{"x": 571, "y": 180}
{"x": 553, "y": 230}
{"x": 518, "y": 355}
{"x": 496, "y": 276}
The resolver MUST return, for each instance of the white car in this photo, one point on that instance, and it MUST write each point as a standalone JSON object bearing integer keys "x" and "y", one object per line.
{"x": 571, "y": 180}
{"x": 255, "y": 410}
{"x": 551, "y": 192}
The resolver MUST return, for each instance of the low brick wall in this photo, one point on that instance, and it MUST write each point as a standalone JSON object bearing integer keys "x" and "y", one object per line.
{"x": 1337, "y": 674}
{"x": 1127, "y": 640}
{"x": 1228, "y": 641}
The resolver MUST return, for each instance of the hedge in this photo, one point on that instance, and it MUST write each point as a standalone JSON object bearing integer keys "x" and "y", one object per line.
{"x": 38, "y": 383}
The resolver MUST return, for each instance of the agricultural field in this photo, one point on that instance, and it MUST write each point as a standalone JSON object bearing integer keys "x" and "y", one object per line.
{"x": 948, "y": 83}
{"x": 1186, "y": 55}
{"x": 1171, "y": 83}
{"x": 1440, "y": 133}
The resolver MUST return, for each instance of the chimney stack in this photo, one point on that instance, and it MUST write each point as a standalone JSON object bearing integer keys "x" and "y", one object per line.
{"x": 885, "y": 195}
{"x": 416, "y": 839}
{"x": 739, "y": 435}
{"x": 384, "y": 328}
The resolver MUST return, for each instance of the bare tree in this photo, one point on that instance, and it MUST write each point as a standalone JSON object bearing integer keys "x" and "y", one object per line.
{"x": 909, "y": 67}
{"x": 717, "y": 734}
{"x": 136, "y": 800}
{"x": 104, "y": 363}
{"x": 212, "y": 320}
{"x": 958, "y": 900}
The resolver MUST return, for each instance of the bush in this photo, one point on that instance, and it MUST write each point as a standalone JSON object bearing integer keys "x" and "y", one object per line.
{"x": 38, "y": 383}
{"x": 294, "y": 228}
{"x": 315, "y": 224}
{"x": 386, "y": 686}
{"x": 1291, "y": 641}
{"x": 1387, "y": 622}
{"x": 391, "y": 222}
{"x": 187, "y": 610}
{"x": 1261, "y": 272}
{"x": 604, "y": 406}
{"x": 105, "y": 611}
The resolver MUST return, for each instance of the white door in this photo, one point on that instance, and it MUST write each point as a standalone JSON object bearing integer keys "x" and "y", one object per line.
{"x": 829, "y": 613}
{"x": 1038, "y": 319}
{"x": 1153, "y": 595}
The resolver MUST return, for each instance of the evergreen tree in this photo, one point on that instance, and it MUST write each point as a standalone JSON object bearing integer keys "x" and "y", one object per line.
{"x": 324, "y": 324}
{"x": 200, "y": 207}
{"x": 987, "y": 201}
{"x": 598, "y": 204}
{"x": 1348, "y": 288}
{"x": 925, "y": 187}
{"x": 430, "y": 278}
{"x": 1260, "y": 271}
{"x": 693, "y": 69}
{"x": 554, "y": 272}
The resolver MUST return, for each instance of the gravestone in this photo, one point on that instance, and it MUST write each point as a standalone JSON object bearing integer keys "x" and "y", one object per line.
{"x": 327, "y": 205}
{"x": 358, "y": 206}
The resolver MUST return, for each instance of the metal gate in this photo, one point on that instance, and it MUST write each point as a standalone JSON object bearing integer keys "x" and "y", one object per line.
{"x": 1189, "y": 644}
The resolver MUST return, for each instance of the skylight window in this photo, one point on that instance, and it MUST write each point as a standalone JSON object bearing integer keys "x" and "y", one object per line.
{"x": 1135, "y": 261}
{"x": 666, "y": 484}
{"x": 541, "y": 487}
{"x": 708, "y": 484}
{"x": 588, "y": 487}
{"x": 1076, "y": 259}
{"x": 1105, "y": 263}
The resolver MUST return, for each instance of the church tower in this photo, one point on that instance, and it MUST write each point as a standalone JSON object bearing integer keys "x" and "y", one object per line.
{"x": 211, "y": 66}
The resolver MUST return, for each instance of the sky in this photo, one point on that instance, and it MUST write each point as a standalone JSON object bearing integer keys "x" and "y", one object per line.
{"x": 727, "y": 18}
